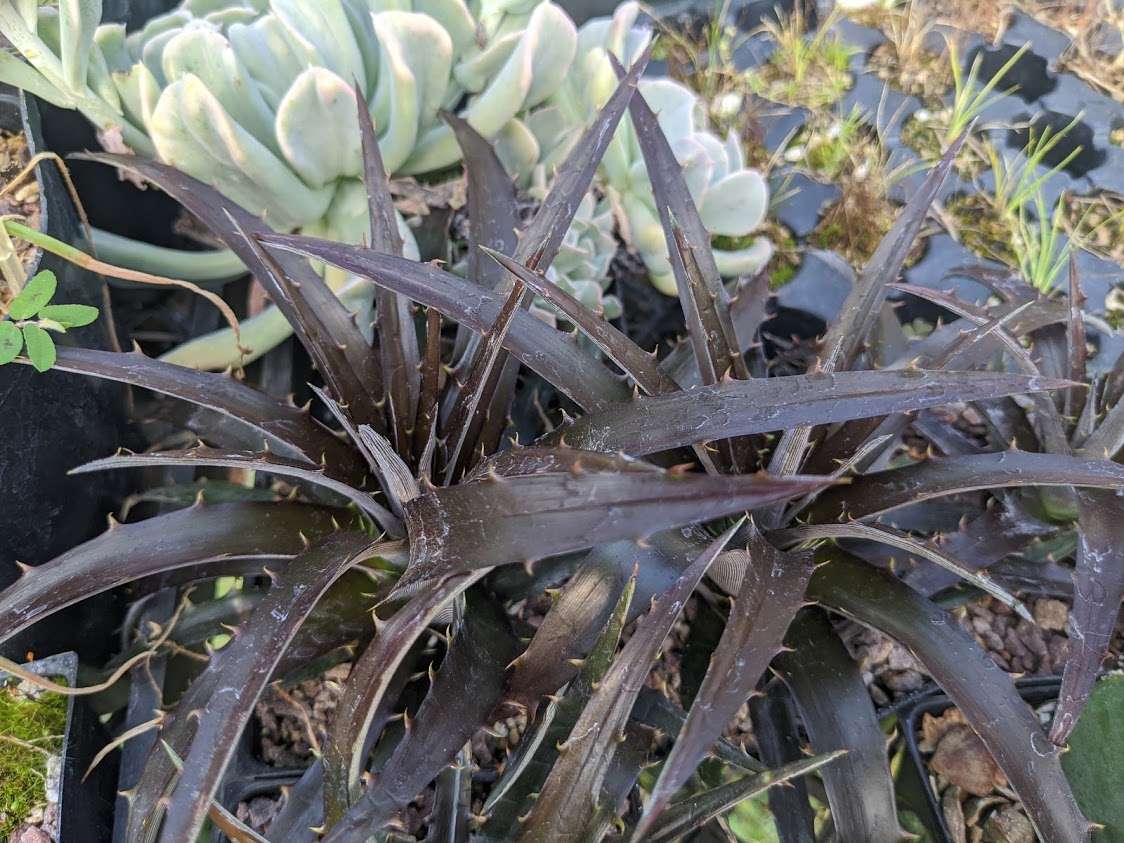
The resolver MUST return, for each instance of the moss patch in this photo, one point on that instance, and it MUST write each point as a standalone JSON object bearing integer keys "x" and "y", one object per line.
{"x": 982, "y": 229}
{"x": 924, "y": 134}
{"x": 785, "y": 261}
{"x": 30, "y": 731}
{"x": 855, "y": 224}
{"x": 1097, "y": 221}
{"x": 920, "y": 73}
{"x": 807, "y": 71}
{"x": 832, "y": 148}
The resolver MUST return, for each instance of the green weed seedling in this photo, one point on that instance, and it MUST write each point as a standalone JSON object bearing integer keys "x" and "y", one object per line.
{"x": 1015, "y": 179}
{"x": 971, "y": 100}
{"x": 29, "y": 318}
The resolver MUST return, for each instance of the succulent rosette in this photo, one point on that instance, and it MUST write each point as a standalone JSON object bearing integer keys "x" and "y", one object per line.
{"x": 258, "y": 99}
{"x": 732, "y": 198}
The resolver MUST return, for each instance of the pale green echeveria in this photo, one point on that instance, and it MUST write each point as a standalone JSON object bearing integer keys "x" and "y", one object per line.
{"x": 732, "y": 199}
{"x": 581, "y": 267}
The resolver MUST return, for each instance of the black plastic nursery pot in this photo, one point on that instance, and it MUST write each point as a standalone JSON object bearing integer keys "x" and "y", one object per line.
{"x": 1034, "y": 690}
{"x": 85, "y": 803}
{"x": 55, "y": 421}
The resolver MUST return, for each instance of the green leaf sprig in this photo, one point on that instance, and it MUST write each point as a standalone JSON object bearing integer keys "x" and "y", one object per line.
{"x": 30, "y": 318}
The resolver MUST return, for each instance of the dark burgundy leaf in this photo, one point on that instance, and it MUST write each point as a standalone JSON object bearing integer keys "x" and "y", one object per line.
{"x": 467, "y": 687}
{"x": 365, "y": 693}
{"x": 288, "y": 430}
{"x": 647, "y": 425}
{"x": 568, "y": 808}
{"x": 583, "y": 606}
{"x": 528, "y": 769}
{"x": 884, "y": 491}
{"x": 837, "y": 712}
{"x": 860, "y": 310}
{"x": 771, "y": 593}
{"x": 903, "y": 541}
{"x": 260, "y": 532}
{"x": 264, "y": 461}
{"x": 636, "y": 363}
{"x": 522, "y": 519}
{"x": 397, "y": 338}
{"x": 536, "y": 344}
{"x": 326, "y": 328}
{"x": 239, "y": 672}
{"x": 702, "y": 295}
{"x": 984, "y": 694}
{"x": 469, "y": 397}
{"x": 690, "y": 813}
{"x": 1098, "y": 585}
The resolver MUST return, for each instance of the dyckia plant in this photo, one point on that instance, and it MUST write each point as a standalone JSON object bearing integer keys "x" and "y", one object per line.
{"x": 258, "y": 99}
{"x": 412, "y": 510}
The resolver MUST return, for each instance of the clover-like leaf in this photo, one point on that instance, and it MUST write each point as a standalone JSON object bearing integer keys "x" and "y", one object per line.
{"x": 34, "y": 296}
{"x": 11, "y": 341}
{"x": 40, "y": 347}
{"x": 69, "y": 315}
